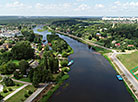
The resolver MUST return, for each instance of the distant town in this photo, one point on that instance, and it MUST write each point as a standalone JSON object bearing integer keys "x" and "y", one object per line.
{"x": 121, "y": 18}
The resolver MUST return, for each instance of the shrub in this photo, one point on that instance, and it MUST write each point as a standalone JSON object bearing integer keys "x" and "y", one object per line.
{"x": 64, "y": 63}
{"x": 10, "y": 89}
{"x": 26, "y": 95}
{"x": 64, "y": 54}
{"x": 8, "y": 82}
{"x": 1, "y": 97}
{"x": 5, "y": 90}
{"x": 17, "y": 84}
{"x": 30, "y": 92}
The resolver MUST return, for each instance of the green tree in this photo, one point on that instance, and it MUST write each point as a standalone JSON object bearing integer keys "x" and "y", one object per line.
{"x": 22, "y": 50}
{"x": 8, "y": 82}
{"x": 23, "y": 66}
{"x": 36, "y": 79}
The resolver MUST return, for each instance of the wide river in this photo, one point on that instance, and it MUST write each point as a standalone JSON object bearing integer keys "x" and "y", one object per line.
{"x": 92, "y": 78}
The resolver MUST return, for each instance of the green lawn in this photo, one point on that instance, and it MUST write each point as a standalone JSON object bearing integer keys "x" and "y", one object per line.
{"x": 129, "y": 60}
{"x": 0, "y": 78}
{"x": 16, "y": 62}
{"x": 19, "y": 97}
{"x": 12, "y": 87}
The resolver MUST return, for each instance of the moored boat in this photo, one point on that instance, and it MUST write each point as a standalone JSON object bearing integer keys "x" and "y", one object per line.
{"x": 70, "y": 63}
{"x": 119, "y": 77}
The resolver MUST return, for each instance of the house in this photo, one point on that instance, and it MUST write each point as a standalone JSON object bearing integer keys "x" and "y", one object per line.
{"x": 130, "y": 45}
{"x": 117, "y": 44}
{"x": 34, "y": 64}
{"x": 113, "y": 42}
{"x": 49, "y": 44}
{"x": 7, "y": 45}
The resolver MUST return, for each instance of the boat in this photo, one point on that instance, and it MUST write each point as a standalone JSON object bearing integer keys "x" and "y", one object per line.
{"x": 70, "y": 63}
{"x": 119, "y": 77}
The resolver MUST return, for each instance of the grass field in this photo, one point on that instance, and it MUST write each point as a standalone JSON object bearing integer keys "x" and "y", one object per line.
{"x": 129, "y": 60}
{"x": 12, "y": 87}
{"x": 19, "y": 97}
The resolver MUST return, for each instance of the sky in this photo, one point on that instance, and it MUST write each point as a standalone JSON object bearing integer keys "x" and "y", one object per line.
{"x": 68, "y": 7}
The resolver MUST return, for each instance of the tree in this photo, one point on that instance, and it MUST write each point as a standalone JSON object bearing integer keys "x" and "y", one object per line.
{"x": 64, "y": 63}
{"x": 17, "y": 75}
{"x": 90, "y": 38}
{"x": 8, "y": 82}
{"x": 23, "y": 66}
{"x": 11, "y": 67}
{"x": 22, "y": 50}
{"x": 36, "y": 79}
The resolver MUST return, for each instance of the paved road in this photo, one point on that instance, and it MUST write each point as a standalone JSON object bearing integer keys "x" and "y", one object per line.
{"x": 13, "y": 93}
{"x": 36, "y": 93}
{"x": 130, "y": 77}
{"x": 23, "y": 82}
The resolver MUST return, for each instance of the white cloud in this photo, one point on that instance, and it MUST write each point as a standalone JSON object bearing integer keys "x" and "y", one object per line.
{"x": 82, "y": 7}
{"x": 99, "y": 6}
{"x": 80, "y": 0}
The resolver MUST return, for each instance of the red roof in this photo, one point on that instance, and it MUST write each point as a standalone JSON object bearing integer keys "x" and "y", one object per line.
{"x": 130, "y": 45}
{"x": 117, "y": 44}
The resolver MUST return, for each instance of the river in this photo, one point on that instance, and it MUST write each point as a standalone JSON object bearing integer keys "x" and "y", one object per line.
{"x": 92, "y": 78}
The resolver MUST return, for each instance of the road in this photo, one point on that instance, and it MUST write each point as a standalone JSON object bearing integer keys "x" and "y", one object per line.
{"x": 130, "y": 77}
{"x": 36, "y": 93}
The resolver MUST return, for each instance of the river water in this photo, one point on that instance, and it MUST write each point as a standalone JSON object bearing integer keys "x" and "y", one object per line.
{"x": 92, "y": 78}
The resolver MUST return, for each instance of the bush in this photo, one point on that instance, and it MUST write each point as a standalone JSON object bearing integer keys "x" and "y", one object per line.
{"x": 1, "y": 97}
{"x": 64, "y": 54}
{"x": 26, "y": 95}
{"x": 30, "y": 92}
{"x": 64, "y": 63}
{"x": 8, "y": 82}
{"x": 5, "y": 90}
{"x": 17, "y": 84}
{"x": 10, "y": 89}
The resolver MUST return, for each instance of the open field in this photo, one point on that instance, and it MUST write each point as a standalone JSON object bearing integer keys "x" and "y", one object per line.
{"x": 129, "y": 60}
{"x": 19, "y": 97}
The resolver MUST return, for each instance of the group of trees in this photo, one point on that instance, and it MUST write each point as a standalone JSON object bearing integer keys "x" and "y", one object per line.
{"x": 22, "y": 50}
{"x": 49, "y": 64}
{"x": 58, "y": 44}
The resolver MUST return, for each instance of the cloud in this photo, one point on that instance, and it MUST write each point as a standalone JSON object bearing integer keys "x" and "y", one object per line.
{"x": 80, "y": 0}
{"x": 82, "y": 7}
{"x": 99, "y": 6}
